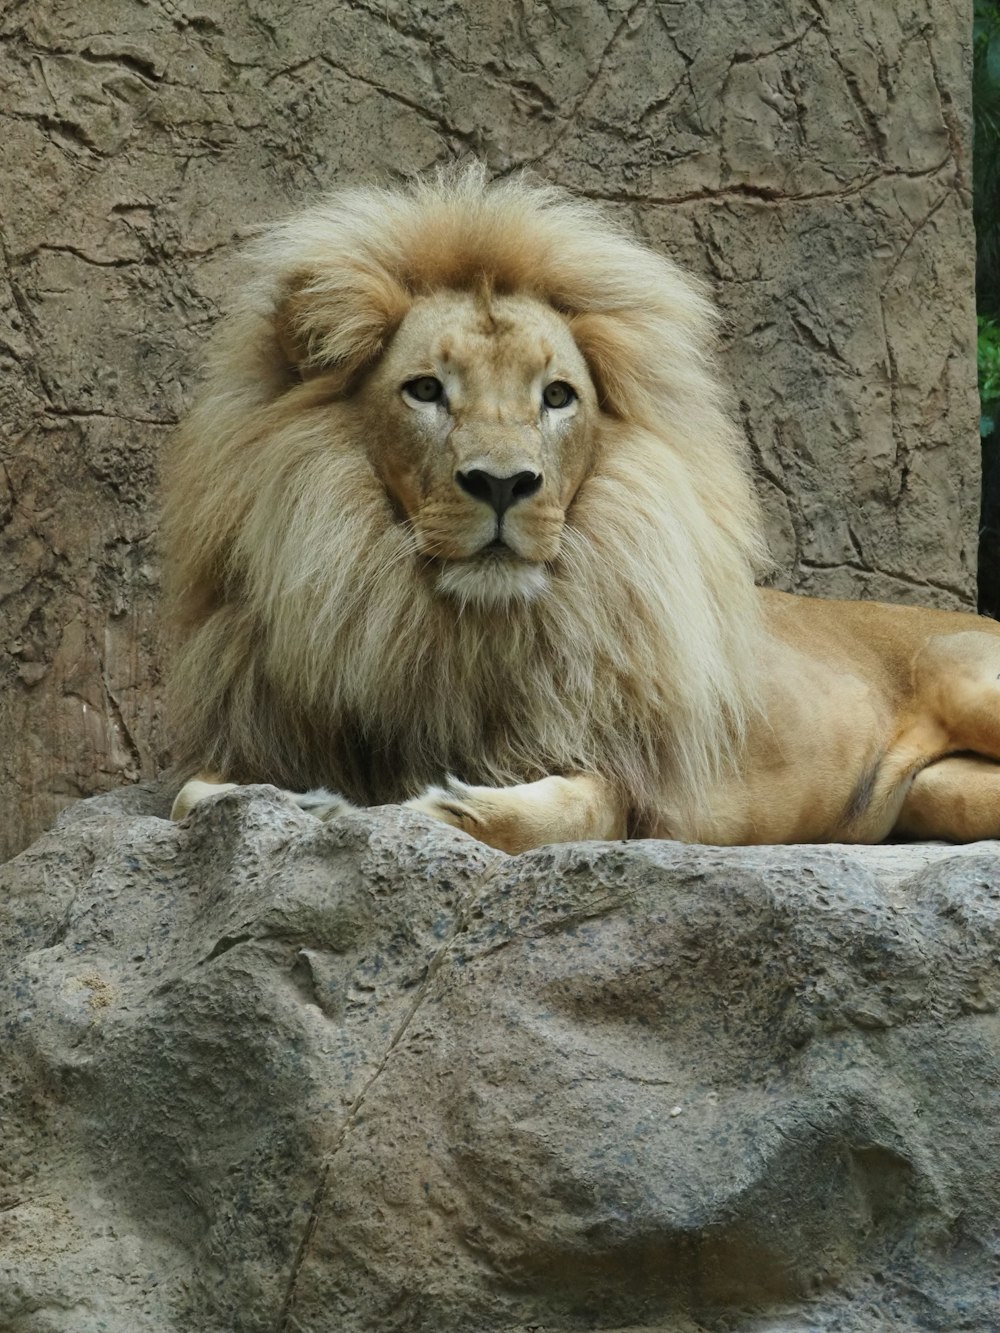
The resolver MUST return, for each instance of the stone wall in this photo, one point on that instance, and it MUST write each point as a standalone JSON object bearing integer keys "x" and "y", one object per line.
{"x": 810, "y": 158}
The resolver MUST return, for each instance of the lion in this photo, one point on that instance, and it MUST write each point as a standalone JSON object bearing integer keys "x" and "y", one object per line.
{"x": 460, "y": 519}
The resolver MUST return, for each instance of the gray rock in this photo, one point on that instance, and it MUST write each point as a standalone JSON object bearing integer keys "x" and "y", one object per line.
{"x": 261, "y": 1073}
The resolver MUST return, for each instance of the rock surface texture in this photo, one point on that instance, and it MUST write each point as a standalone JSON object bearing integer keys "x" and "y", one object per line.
{"x": 809, "y": 158}
{"x": 265, "y": 1074}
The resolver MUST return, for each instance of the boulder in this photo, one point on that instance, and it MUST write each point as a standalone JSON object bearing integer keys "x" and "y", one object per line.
{"x": 263, "y": 1073}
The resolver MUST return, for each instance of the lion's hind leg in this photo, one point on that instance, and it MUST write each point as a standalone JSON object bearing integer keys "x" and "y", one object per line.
{"x": 957, "y": 798}
{"x": 319, "y": 802}
{"x": 531, "y": 814}
{"x": 957, "y": 680}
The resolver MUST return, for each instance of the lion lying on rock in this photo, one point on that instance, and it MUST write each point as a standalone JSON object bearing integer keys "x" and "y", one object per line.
{"x": 460, "y": 498}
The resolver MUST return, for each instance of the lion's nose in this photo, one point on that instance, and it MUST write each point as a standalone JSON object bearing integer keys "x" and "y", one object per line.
{"x": 499, "y": 492}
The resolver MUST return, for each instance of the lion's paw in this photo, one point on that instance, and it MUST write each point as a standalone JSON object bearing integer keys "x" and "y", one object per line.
{"x": 528, "y": 814}
{"x": 498, "y": 816}
{"x": 193, "y": 793}
{"x": 319, "y": 802}
{"x": 453, "y": 804}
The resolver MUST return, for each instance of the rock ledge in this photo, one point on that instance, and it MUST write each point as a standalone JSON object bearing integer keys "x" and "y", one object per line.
{"x": 265, "y": 1074}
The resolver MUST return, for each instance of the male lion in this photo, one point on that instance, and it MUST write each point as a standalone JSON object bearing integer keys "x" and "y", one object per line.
{"x": 460, "y": 497}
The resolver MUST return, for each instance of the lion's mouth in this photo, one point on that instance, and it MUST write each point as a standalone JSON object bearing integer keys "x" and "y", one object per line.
{"x": 494, "y": 576}
{"x": 497, "y": 549}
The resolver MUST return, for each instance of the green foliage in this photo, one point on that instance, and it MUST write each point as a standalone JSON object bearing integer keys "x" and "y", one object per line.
{"x": 989, "y": 374}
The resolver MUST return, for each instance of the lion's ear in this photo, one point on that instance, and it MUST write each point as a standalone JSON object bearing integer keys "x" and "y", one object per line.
{"x": 337, "y": 321}
{"x": 614, "y": 355}
{"x": 292, "y": 332}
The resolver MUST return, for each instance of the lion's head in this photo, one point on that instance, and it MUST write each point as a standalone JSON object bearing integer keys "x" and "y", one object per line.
{"x": 484, "y": 412}
{"x": 459, "y": 494}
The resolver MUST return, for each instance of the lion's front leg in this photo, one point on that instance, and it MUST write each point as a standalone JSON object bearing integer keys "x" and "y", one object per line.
{"x": 319, "y": 802}
{"x": 515, "y": 819}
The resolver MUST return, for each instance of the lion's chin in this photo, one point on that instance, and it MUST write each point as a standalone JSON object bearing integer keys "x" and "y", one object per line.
{"x": 492, "y": 583}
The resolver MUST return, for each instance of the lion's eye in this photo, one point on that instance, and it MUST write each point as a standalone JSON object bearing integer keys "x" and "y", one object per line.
{"x": 424, "y": 389}
{"x": 558, "y": 394}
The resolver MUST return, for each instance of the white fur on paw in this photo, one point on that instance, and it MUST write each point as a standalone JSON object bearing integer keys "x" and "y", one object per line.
{"x": 193, "y": 793}
{"x": 322, "y": 803}
{"x": 451, "y": 804}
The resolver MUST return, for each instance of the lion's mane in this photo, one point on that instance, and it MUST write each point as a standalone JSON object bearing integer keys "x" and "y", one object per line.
{"x": 309, "y": 649}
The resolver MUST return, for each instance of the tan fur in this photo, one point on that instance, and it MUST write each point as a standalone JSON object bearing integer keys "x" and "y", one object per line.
{"x": 314, "y": 645}
{"x": 342, "y": 618}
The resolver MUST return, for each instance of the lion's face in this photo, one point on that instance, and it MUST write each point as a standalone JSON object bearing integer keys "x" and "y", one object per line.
{"x": 481, "y": 421}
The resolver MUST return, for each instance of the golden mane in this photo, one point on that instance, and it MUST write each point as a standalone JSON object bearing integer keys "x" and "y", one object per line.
{"x": 309, "y": 649}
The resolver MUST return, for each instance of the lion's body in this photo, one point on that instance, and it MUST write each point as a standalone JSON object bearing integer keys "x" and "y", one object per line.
{"x": 392, "y": 558}
{"x": 860, "y": 702}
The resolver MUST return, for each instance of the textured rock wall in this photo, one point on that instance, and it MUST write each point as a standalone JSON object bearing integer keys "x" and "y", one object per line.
{"x": 810, "y": 158}
{"x": 264, "y": 1075}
